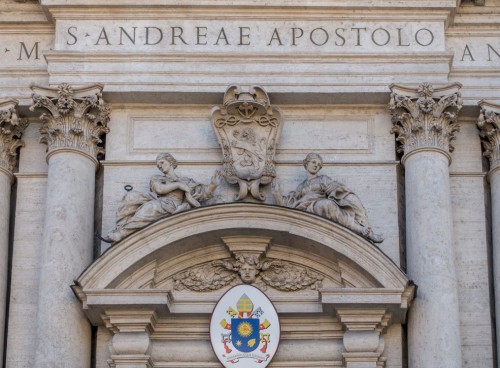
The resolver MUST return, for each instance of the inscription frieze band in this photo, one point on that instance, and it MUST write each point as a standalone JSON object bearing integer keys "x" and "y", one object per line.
{"x": 264, "y": 36}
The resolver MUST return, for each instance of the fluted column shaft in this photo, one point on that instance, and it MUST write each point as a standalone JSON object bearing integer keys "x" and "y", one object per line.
{"x": 11, "y": 128}
{"x": 72, "y": 134}
{"x": 489, "y": 126}
{"x": 425, "y": 122}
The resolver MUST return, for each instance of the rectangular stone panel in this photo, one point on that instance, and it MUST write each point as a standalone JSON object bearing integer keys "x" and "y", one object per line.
{"x": 473, "y": 49}
{"x": 471, "y": 254}
{"x": 344, "y": 135}
{"x": 243, "y": 35}
{"x": 175, "y": 134}
{"x": 30, "y": 210}
{"x": 339, "y": 133}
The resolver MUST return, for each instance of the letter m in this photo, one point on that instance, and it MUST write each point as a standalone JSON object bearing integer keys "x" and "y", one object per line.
{"x": 23, "y": 47}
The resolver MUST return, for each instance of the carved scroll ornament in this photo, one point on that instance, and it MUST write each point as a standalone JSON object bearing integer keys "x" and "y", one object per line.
{"x": 11, "y": 130}
{"x": 489, "y": 131}
{"x": 248, "y": 129}
{"x": 278, "y": 274}
{"x": 425, "y": 117}
{"x": 77, "y": 117}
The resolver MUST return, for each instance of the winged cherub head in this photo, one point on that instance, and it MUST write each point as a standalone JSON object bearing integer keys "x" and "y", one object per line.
{"x": 248, "y": 267}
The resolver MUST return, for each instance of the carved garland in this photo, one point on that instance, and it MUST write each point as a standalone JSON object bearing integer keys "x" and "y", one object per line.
{"x": 11, "y": 130}
{"x": 278, "y": 274}
{"x": 489, "y": 131}
{"x": 73, "y": 121}
{"x": 422, "y": 119}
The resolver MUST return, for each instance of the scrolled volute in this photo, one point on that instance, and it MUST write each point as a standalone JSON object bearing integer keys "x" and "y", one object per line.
{"x": 76, "y": 118}
{"x": 425, "y": 117}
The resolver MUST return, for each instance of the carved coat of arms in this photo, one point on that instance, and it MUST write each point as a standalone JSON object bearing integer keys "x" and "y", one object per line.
{"x": 248, "y": 129}
{"x": 244, "y": 329}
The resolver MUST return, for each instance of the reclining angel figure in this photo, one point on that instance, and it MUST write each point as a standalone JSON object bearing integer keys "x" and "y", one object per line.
{"x": 169, "y": 194}
{"x": 321, "y": 195}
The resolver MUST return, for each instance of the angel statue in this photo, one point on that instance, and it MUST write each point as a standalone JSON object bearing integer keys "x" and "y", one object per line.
{"x": 323, "y": 196}
{"x": 169, "y": 194}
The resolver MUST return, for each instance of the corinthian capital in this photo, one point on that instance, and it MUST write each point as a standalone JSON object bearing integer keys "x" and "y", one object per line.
{"x": 425, "y": 117}
{"x": 489, "y": 131}
{"x": 11, "y": 130}
{"x": 76, "y": 118}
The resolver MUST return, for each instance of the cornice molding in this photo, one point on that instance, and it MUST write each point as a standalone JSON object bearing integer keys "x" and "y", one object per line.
{"x": 435, "y": 4}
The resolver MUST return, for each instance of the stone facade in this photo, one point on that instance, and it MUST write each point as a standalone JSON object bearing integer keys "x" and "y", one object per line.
{"x": 152, "y": 156}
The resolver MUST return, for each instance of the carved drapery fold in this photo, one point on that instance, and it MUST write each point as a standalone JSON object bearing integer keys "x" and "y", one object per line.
{"x": 76, "y": 118}
{"x": 489, "y": 131}
{"x": 425, "y": 117}
{"x": 11, "y": 130}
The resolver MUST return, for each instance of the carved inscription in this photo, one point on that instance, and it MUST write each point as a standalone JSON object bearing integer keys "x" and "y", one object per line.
{"x": 16, "y": 50}
{"x": 275, "y": 36}
{"x": 474, "y": 51}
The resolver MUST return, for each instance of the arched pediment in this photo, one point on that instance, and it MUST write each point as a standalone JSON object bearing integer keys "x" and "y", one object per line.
{"x": 184, "y": 263}
{"x": 196, "y": 233}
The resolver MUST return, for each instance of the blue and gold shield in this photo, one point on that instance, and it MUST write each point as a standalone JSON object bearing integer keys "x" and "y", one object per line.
{"x": 245, "y": 334}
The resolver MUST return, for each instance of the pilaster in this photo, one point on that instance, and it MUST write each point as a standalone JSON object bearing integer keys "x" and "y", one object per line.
{"x": 72, "y": 126}
{"x": 425, "y": 122}
{"x": 11, "y": 130}
{"x": 489, "y": 131}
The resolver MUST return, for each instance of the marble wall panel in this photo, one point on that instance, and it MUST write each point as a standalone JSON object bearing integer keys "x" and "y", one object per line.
{"x": 345, "y": 133}
{"x": 467, "y": 156}
{"x": 471, "y": 254}
{"x": 356, "y": 146}
{"x": 30, "y": 207}
{"x": 32, "y": 157}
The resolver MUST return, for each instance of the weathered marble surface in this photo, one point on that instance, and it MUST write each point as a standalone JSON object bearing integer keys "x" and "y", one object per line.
{"x": 425, "y": 124}
{"x": 332, "y": 94}
{"x": 26, "y": 260}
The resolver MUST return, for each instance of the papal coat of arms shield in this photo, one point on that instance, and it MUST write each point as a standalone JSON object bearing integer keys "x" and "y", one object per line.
{"x": 248, "y": 128}
{"x": 244, "y": 329}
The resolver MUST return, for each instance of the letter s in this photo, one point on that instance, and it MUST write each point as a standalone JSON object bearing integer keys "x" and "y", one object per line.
{"x": 72, "y": 35}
